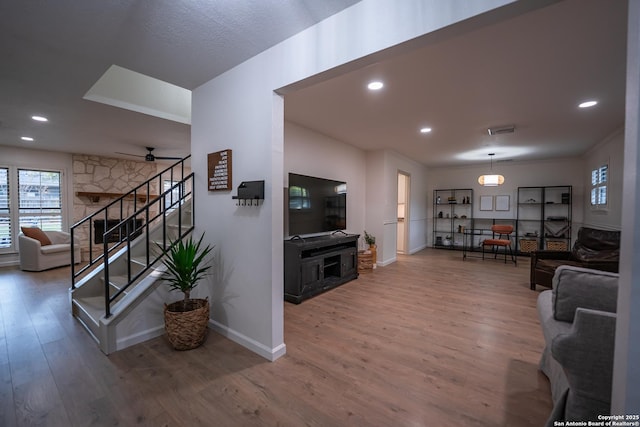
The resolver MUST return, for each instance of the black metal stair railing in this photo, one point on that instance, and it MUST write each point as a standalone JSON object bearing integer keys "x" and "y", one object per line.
{"x": 153, "y": 253}
{"x": 120, "y": 230}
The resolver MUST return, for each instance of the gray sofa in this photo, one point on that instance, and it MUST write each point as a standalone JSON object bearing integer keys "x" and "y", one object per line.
{"x": 578, "y": 320}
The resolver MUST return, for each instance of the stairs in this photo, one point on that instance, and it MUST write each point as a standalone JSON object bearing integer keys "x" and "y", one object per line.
{"x": 132, "y": 312}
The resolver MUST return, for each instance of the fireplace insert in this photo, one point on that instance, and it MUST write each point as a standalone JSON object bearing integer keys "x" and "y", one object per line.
{"x": 118, "y": 234}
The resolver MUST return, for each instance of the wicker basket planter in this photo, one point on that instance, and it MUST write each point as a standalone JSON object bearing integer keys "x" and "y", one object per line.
{"x": 187, "y": 325}
{"x": 365, "y": 261}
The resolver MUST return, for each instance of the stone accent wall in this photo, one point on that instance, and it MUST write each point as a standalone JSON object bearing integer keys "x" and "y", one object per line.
{"x": 106, "y": 175}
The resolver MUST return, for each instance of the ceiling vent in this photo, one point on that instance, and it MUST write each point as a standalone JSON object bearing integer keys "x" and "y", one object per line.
{"x": 501, "y": 130}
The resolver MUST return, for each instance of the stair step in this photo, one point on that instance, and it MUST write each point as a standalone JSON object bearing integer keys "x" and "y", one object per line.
{"x": 117, "y": 281}
{"x": 89, "y": 310}
{"x": 140, "y": 262}
{"x": 88, "y": 302}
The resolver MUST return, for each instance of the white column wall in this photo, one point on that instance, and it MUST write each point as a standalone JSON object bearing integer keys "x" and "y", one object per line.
{"x": 237, "y": 110}
{"x": 625, "y": 398}
{"x": 382, "y": 203}
{"x": 378, "y": 202}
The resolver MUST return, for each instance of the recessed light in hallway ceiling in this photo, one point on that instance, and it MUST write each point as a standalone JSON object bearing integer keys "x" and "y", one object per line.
{"x": 375, "y": 85}
{"x": 588, "y": 104}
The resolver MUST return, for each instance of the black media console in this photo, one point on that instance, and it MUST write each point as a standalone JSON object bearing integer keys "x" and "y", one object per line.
{"x": 316, "y": 264}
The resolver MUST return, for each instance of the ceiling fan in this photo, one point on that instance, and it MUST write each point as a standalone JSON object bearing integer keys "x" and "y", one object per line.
{"x": 150, "y": 157}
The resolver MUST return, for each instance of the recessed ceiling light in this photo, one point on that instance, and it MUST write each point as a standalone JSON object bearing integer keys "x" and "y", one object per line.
{"x": 27, "y": 138}
{"x": 375, "y": 85}
{"x": 587, "y": 104}
{"x": 40, "y": 118}
{"x": 425, "y": 130}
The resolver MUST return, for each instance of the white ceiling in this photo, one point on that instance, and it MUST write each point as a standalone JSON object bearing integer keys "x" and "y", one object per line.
{"x": 52, "y": 52}
{"x": 529, "y": 71}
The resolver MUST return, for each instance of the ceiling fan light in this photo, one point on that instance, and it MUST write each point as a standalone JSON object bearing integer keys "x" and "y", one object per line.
{"x": 491, "y": 180}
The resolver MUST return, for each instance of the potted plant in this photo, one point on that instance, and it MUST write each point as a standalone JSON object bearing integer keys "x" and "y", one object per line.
{"x": 186, "y": 321}
{"x": 371, "y": 241}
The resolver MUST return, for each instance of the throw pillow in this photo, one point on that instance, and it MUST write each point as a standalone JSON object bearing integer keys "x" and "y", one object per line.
{"x": 36, "y": 233}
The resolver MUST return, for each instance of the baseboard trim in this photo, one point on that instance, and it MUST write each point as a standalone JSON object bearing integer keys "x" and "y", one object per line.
{"x": 271, "y": 354}
{"x": 418, "y": 249}
{"x": 128, "y": 341}
{"x": 387, "y": 262}
{"x": 9, "y": 262}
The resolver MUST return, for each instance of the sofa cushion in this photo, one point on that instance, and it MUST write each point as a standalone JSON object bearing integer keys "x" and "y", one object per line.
{"x": 52, "y": 249}
{"x": 575, "y": 287}
{"x": 36, "y": 233}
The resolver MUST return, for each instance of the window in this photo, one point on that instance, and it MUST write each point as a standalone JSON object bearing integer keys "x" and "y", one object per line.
{"x": 599, "y": 178}
{"x": 39, "y": 199}
{"x": 299, "y": 198}
{"x": 5, "y": 214}
{"x": 29, "y": 198}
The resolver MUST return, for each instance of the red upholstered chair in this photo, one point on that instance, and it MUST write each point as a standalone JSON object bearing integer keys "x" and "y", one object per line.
{"x": 501, "y": 238}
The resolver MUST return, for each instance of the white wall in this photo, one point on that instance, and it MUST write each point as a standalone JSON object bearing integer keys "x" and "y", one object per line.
{"x": 310, "y": 153}
{"x": 610, "y": 151}
{"x": 238, "y": 110}
{"x": 382, "y": 203}
{"x": 418, "y": 206}
{"x": 45, "y": 160}
{"x": 516, "y": 174}
{"x": 626, "y": 369}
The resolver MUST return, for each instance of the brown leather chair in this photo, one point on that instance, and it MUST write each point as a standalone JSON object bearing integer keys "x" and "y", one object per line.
{"x": 596, "y": 249}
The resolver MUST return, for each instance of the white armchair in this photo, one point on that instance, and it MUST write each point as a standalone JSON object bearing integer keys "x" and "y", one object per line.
{"x": 35, "y": 257}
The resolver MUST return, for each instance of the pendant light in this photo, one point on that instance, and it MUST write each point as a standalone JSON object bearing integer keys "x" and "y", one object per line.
{"x": 491, "y": 180}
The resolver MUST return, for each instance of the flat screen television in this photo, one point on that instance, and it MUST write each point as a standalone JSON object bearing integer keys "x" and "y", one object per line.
{"x": 316, "y": 205}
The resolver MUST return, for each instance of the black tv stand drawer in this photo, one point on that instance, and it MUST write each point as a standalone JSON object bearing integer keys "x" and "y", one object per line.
{"x": 317, "y": 264}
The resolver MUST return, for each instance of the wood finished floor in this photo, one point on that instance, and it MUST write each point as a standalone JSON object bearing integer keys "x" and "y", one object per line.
{"x": 430, "y": 340}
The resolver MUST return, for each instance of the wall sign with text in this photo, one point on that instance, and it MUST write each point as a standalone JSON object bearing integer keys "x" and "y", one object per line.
{"x": 219, "y": 170}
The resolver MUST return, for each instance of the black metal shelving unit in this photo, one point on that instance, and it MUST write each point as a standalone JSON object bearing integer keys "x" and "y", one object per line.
{"x": 544, "y": 218}
{"x": 452, "y": 213}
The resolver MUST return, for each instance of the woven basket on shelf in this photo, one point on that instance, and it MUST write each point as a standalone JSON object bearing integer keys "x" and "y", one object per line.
{"x": 528, "y": 245}
{"x": 187, "y": 329}
{"x": 556, "y": 245}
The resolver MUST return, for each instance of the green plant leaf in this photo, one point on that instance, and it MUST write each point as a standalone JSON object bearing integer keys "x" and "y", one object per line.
{"x": 184, "y": 262}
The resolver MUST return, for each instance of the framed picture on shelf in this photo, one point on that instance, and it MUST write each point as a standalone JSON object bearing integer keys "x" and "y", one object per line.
{"x": 502, "y": 203}
{"x": 486, "y": 203}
